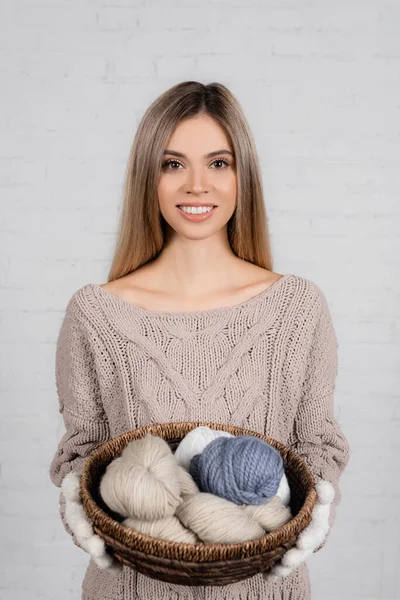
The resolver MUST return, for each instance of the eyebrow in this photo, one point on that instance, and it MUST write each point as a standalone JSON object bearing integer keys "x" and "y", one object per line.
{"x": 209, "y": 155}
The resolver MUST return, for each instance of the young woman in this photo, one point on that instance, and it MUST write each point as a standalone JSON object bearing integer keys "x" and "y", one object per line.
{"x": 193, "y": 323}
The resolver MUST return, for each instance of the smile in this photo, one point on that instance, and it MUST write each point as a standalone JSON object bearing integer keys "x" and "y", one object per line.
{"x": 197, "y": 213}
{"x": 196, "y": 210}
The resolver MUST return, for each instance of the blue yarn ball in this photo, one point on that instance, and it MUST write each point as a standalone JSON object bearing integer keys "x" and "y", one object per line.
{"x": 242, "y": 469}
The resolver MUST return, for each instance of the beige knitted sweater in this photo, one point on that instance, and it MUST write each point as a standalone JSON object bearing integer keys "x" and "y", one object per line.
{"x": 267, "y": 364}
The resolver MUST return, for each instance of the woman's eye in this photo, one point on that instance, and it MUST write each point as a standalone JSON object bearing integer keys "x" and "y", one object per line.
{"x": 221, "y": 160}
{"x": 167, "y": 163}
{"x": 170, "y": 162}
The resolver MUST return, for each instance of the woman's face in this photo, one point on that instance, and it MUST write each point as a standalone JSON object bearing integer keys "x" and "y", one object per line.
{"x": 198, "y": 168}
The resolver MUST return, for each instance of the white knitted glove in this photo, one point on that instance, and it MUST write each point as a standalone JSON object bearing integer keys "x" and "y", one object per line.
{"x": 310, "y": 538}
{"x": 81, "y": 526}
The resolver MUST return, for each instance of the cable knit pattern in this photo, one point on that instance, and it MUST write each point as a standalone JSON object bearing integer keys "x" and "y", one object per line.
{"x": 268, "y": 364}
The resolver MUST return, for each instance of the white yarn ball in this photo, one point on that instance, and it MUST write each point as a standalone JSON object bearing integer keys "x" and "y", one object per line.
{"x": 194, "y": 443}
{"x": 284, "y": 490}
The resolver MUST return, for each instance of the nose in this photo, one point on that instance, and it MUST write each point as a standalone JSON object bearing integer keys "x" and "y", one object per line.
{"x": 196, "y": 182}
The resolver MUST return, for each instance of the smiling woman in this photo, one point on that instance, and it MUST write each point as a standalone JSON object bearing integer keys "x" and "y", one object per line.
{"x": 193, "y": 325}
{"x": 200, "y": 187}
{"x": 201, "y": 182}
{"x": 193, "y": 148}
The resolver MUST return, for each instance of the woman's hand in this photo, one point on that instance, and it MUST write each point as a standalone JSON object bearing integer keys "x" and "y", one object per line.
{"x": 310, "y": 538}
{"x": 82, "y": 527}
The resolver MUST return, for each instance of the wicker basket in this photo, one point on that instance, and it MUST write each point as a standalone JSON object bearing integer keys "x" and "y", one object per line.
{"x": 194, "y": 564}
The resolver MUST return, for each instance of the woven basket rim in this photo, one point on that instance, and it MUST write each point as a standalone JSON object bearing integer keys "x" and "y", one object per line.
{"x": 200, "y": 552}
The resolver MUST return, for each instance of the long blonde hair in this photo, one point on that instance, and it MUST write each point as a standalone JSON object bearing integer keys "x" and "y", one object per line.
{"x": 142, "y": 229}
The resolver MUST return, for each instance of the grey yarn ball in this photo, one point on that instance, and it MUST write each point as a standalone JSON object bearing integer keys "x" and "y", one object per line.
{"x": 242, "y": 469}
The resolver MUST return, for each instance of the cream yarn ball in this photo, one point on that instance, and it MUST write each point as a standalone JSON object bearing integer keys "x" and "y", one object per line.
{"x": 270, "y": 516}
{"x": 143, "y": 482}
{"x": 217, "y": 520}
{"x": 187, "y": 483}
{"x": 168, "y": 528}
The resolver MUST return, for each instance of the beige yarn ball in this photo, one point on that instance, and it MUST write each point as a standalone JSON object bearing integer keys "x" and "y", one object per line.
{"x": 217, "y": 520}
{"x": 143, "y": 482}
{"x": 187, "y": 483}
{"x": 271, "y": 515}
{"x": 168, "y": 528}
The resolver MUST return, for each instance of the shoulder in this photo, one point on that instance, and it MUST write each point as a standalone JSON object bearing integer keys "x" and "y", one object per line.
{"x": 307, "y": 291}
{"x": 83, "y": 321}
{"x": 80, "y": 306}
{"x": 312, "y": 329}
{"x": 309, "y": 305}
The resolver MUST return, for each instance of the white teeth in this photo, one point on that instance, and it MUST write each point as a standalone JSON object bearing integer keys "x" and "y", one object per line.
{"x": 195, "y": 210}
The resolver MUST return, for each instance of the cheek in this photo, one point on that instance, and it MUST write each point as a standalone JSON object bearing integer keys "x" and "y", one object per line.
{"x": 166, "y": 193}
{"x": 228, "y": 188}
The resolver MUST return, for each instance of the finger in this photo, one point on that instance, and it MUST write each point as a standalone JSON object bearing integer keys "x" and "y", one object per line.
{"x": 325, "y": 491}
{"x": 77, "y": 520}
{"x": 104, "y": 562}
{"x": 311, "y": 537}
{"x": 280, "y": 570}
{"x": 70, "y": 487}
{"x": 295, "y": 557}
{"x": 320, "y": 513}
{"x": 97, "y": 547}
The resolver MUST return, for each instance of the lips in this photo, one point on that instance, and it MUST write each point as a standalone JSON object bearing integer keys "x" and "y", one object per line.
{"x": 197, "y": 217}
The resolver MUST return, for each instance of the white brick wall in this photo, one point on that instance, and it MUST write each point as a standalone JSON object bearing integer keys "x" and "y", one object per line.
{"x": 319, "y": 82}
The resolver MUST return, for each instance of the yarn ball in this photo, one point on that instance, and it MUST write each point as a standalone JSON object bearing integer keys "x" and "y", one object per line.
{"x": 194, "y": 443}
{"x": 219, "y": 521}
{"x": 143, "y": 481}
{"x": 187, "y": 484}
{"x": 169, "y": 528}
{"x": 242, "y": 469}
{"x": 216, "y": 520}
{"x": 277, "y": 514}
{"x": 284, "y": 490}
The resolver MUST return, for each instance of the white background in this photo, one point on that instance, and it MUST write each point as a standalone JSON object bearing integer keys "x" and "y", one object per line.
{"x": 319, "y": 83}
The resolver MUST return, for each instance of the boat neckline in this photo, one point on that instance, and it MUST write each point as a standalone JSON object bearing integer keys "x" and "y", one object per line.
{"x": 110, "y": 296}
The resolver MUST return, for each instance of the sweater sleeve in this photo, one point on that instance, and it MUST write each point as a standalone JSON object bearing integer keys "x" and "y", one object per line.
{"x": 80, "y": 403}
{"x": 317, "y": 436}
